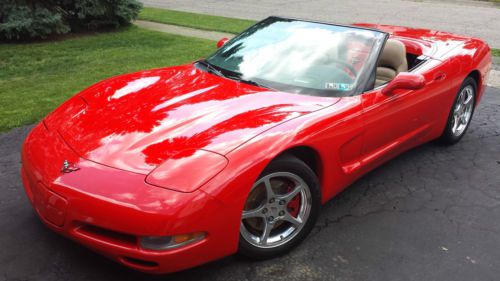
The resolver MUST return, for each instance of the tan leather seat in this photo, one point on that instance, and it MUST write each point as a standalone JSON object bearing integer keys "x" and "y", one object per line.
{"x": 392, "y": 61}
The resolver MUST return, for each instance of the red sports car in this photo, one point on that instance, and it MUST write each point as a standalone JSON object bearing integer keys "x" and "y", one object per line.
{"x": 166, "y": 169}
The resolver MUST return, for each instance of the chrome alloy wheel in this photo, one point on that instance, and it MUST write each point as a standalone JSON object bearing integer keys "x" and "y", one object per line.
{"x": 276, "y": 210}
{"x": 462, "y": 111}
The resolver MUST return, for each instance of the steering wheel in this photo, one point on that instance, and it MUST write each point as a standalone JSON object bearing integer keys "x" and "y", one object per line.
{"x": 353, "y": 73}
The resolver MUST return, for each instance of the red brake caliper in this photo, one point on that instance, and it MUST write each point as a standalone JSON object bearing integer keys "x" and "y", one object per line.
{"x": 294, "y": 204}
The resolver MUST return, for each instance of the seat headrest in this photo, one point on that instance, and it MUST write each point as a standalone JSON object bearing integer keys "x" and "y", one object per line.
{"x": 394, "y": 56}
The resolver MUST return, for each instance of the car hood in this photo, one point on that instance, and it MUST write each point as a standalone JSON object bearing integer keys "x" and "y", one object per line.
{"x": 137, "y": 121}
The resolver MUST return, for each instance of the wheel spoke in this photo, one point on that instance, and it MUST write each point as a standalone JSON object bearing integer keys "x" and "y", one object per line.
{"x": 291, "y": 219}
{"x": 456, "y": 123}
{"x": 255, "y": 213}
{"x": 290, "y": 195}
{"x": 269, "y": 188}
{"x": 468, "y": 99}
{"x": 265, "y": 234}
{"x": 462, "y": 97}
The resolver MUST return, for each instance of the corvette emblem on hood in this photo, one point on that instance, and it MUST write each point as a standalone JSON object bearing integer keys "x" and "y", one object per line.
{"x": 69, "y": 167}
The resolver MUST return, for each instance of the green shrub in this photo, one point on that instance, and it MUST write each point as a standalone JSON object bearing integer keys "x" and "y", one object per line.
{"x": 94, "y": 14}
{"x": 30, "y": 19}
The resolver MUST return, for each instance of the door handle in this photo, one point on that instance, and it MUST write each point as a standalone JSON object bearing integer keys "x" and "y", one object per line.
{"x": 440, "y": 76}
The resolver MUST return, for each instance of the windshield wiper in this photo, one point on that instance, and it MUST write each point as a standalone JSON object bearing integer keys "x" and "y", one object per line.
{"x": 248, "y": 81}
{"x": 211, "y": 69}
{"x": 238, "y": 78}
{"x": 252, "y": 82}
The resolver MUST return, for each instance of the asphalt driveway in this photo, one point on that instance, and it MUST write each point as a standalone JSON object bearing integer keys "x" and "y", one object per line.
{"x": 430, "y": 214}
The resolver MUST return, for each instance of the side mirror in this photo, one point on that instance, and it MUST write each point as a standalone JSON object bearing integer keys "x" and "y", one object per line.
{"x": 222, "y": 42}
{"x": 404, "y": 81}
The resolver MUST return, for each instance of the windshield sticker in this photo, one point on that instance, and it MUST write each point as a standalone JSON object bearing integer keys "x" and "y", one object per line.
{"x": 339, "y": 86}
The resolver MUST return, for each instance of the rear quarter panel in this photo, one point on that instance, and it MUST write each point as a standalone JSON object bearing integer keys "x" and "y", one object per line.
{"x": 473, "y": 55}
{"x": 470, "y": 58}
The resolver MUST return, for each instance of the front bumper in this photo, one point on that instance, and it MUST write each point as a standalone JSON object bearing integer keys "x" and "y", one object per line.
{"x": 107, "y": 209}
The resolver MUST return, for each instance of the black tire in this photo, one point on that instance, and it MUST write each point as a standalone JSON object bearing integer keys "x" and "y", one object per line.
{"x": 290, "y": 164}
{"x": 448, "y": 137}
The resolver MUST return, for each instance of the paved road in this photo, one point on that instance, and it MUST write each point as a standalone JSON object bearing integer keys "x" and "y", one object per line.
{"x": 430, "y": 214}
{"x": 472, "y": 18}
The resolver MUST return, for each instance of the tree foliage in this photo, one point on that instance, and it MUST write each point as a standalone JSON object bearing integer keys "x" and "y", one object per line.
{"x": 30, "y": 19}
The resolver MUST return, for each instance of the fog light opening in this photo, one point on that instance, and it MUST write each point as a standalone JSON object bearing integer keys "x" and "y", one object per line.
{"x": 158, "y": 243}
{"x": 139, "y": 262}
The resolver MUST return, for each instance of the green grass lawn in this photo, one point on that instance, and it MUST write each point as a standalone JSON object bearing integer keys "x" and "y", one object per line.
{"x": 495, "y": 52}
{"x": 37, "y": 77}
{"x": 199, "y": 21}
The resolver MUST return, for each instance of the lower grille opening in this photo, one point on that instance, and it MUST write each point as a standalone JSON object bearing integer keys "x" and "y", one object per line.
{"x": 108, "y": 236}
{"x": 139, "y": 262}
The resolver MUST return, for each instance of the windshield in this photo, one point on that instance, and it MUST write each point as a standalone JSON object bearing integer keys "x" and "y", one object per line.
{"x": 301, "y": 57}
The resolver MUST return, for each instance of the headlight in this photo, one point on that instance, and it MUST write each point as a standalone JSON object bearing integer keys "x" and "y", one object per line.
{"x": 158, "y": 243}
{"x": 187, "y": 171}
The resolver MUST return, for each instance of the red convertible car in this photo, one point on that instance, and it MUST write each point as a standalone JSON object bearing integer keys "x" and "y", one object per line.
{"x": 166, "y": 169}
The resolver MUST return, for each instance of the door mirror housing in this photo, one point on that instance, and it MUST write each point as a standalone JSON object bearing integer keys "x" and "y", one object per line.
{"x": 222, "y": 42}
{"x": 404, "y": 81}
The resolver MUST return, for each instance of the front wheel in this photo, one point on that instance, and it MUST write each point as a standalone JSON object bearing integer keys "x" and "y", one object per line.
{"x": 280, "y": 210}
{"x": 461, "y": 112}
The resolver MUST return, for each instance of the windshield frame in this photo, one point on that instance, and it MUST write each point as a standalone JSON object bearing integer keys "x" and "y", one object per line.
{"x": 366, "y": 77}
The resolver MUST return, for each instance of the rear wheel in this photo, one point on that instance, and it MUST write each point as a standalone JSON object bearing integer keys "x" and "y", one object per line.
{"x": 280, "y": 210}
{"x": 461, "y": 112}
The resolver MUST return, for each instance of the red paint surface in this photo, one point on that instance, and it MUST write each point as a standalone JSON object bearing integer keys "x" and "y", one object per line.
{"x": 221, "y": 134}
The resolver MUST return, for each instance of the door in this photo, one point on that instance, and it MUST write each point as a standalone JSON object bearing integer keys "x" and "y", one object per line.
{"x": 405, "y": 118}
{"x": 393, "y": 123}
